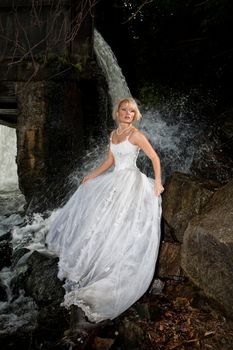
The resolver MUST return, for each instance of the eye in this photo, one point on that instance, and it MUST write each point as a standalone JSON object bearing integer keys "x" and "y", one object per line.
{"x": 129, "y": 110}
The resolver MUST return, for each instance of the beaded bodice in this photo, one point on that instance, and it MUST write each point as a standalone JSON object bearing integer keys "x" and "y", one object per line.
{"x": 125, "y": 154}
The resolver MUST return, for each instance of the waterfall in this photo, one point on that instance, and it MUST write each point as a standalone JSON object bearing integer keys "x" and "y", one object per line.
{"x": 106, "y": 59}
{"x": 8, "y": 168}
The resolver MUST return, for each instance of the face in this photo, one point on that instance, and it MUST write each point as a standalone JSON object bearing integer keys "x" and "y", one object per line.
{"x": 126, "y": 113}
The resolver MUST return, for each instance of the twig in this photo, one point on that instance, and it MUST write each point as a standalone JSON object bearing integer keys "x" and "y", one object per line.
{"x": 138, "y": 10}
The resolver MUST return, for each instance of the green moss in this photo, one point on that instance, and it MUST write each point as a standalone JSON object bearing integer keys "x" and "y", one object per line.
{"x": 149, "y": 95}
{"x": 78, "y": 67}
{"x": 155, "y": 94}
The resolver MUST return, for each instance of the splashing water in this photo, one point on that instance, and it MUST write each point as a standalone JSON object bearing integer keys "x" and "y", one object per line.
{"x": 174, "y": 137}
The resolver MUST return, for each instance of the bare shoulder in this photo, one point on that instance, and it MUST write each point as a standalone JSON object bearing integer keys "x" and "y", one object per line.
{"x": 137, "y": 135}
{"x": 112, "y": 133}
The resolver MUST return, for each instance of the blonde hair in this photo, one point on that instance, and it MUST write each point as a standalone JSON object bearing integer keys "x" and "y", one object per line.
{"x": 132, "y": 102}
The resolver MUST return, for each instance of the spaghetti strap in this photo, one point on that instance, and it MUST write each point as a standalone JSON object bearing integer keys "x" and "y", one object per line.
{"x": 131, "y": 132}
{"x": 110, "y": 137}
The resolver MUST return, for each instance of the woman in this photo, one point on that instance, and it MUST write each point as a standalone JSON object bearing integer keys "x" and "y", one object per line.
{"x": 107, "y": 235}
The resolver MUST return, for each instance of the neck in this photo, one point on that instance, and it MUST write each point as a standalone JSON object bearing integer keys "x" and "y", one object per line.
{"x": 123, "y": 126}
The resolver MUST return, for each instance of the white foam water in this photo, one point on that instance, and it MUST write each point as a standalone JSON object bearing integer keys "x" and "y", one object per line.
{"x": 8, "y": 167}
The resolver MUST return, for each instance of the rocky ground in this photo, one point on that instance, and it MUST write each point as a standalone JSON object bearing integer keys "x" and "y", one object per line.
{"x": 173, "y": 314}
{"x": 180, "y": 317}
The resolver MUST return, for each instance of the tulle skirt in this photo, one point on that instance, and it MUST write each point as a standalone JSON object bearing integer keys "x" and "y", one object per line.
{"x": 107, "y": 238}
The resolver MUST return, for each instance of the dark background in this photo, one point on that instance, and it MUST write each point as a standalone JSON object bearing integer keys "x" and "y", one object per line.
{"x": 171, "y": 44}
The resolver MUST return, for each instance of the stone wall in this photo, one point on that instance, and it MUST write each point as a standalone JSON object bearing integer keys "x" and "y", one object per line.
{"x": 52, "y": 127}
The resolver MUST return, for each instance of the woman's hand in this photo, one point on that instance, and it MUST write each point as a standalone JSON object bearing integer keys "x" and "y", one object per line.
{"x": 87, "y": 178}
{"x": 158, "y": 188}
{"x": 101, "y": 169}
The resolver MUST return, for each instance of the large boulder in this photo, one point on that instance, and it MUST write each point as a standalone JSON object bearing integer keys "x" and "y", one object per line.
{"x": 36, "y": 274}
{"x": 35, "y": 279}
{"x": 42, "y": 283}
{"x": 185, "y": 196}
{"x": 207, "y": 250}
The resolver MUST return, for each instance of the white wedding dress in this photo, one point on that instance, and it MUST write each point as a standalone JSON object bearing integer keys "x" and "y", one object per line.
{"x": 107, "y": 238}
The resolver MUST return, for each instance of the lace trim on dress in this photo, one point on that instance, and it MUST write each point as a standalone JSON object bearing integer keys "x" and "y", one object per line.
{"x": 71, "y": 299}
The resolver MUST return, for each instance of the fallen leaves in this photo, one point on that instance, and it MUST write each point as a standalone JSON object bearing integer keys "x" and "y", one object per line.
{"x": 180, "y": 325}
{"x": 169, "y": 321}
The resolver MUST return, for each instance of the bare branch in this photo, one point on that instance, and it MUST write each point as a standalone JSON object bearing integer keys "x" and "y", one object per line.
{"x": 21, "y": 43}
{"x": 146, "y": 2}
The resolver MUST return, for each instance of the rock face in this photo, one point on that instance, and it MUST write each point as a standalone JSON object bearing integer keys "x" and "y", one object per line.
{"x": 185, "y": 196}
{"x": 207, "y": 249}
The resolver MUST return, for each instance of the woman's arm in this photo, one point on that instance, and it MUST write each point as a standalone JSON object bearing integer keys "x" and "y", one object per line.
{"x": 139, "y": 139}
{"x": 101, "y": 169}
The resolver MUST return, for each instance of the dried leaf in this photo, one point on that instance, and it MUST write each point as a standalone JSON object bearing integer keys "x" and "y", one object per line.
{"x": 207, "y": 333}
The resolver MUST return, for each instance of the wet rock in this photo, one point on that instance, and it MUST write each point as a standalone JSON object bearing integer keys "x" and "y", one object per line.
{"x": 17, "y": 323}
{"x": 6, "y": 225}
{"x": 207, "y": 251}
{"x": 131, "y": 335}
{"x": 42, "y": 283}
{"x": 5, "y": 254}
{"x": 18, "y": 254}
{"x": 35, "y": 274}
{"x": 52, "y": 321}
{"x": 3, "y": 293}
{"x": 148, "y": 310}
{"x": 5, "y": 236}
{"x": 169, "y": 261}
{"x": 11, "y": 202}
{"x": 185, "y": 197}
{"x": 142, "y": 310}
{"x": 20, "y": 271}
{"x": 102, "y": 343}
{"x": 12, "y": 220}
{"x": 157, "y": 287}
